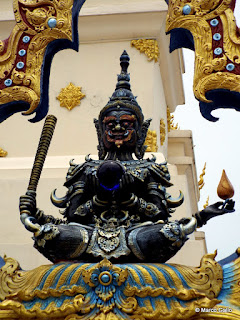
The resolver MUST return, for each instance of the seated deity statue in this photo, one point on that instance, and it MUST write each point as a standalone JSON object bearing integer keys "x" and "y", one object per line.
{"x": 116, "y": 207}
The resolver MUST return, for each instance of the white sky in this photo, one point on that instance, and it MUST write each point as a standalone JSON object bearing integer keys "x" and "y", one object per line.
{"x": 217, "y": 144}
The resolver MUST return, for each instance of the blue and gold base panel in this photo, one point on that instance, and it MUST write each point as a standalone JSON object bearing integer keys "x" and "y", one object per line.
{"x": 113, "y": 291}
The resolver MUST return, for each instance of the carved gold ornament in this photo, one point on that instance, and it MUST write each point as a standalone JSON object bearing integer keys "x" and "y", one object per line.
{"x": 3, "y": 153}
{"x": 106, "y": 291}
{"x": 151, "y": 141}
{"x": 147, "y": 46}
{"x": 170, "y": 121}
{"x": 25, "y": 56}
{"x": 162, "y": 131}
{"x": 71, "y": 96}
{"x": 201, "y": 182}
{"x": 216, "y": 43}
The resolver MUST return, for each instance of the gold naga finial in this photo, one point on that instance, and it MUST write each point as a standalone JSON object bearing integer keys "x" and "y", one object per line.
{"x": 206, "y": 204}
{"x": 70, "y": 96}
{"x": 225, "y": 189}
{"x": 170, "y": 121}
{"x": 201, "y": 182}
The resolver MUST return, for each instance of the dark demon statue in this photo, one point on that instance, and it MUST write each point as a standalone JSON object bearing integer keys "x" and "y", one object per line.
{"x": 116, "y": 207}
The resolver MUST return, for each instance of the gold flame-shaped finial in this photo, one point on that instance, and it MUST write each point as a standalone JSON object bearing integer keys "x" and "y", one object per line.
{"x": 225, "y": 189}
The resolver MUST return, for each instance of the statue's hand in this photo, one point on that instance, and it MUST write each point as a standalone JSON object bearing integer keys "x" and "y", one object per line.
{"x": 216, "y": 209}
{"x": 48, "y": 232}
{"x": 27, "y": 203}
{"x": 126, "y": 180}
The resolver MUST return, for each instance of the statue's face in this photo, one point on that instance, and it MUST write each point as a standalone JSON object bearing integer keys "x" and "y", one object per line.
{"x": 119, "y": 129}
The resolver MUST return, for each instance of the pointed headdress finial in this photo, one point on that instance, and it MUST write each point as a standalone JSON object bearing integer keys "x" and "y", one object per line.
{"x": 122, "y": 98}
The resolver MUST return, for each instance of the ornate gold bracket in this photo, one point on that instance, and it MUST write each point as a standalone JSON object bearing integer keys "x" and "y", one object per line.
{"x": 70, "y": 96}
{"x": 147, "y": 46}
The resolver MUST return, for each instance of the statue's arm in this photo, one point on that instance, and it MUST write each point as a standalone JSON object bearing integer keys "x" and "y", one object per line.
{"x": 214, "y": 210}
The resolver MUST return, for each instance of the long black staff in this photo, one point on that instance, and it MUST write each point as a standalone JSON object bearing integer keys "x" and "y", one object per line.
{"x": 42, "y": 150}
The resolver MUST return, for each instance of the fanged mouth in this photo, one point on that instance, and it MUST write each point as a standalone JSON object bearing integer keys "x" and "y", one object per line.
{"x": 118, "y": 136}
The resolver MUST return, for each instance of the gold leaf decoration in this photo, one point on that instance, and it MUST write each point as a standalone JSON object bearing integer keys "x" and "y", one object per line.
{"x": 147, "y": 46}
{"x": 162, "y": 131}
{"x": 151, "y": 141}
{"x": 71, "y": 96}
{"x": 3, "y": 153}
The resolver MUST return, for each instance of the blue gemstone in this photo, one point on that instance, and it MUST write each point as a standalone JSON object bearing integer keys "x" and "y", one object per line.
{"x": 216, "y": 36}
{"x": 186, "y": 9}
{"x": 8, "y": 82}
{"x": 26, "y": 39}
{"x": 214, "y": 22}
{"x": 230, "y": 67}
{"x": 22, "y": 52}
{"x": 105, "y": 278}
{"x": 218, "y": 51}
{"x": 20, "y": 65}
{"x": 52, "y": 22}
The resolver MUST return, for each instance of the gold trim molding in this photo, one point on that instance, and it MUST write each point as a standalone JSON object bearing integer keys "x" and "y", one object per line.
{"x": 3, "y": 153}
{"x": 70, "y": 96}
{"x": 147, "y": 46}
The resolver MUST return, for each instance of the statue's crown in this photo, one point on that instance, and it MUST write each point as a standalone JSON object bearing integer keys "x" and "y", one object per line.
{"x": 122, "y": 98}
